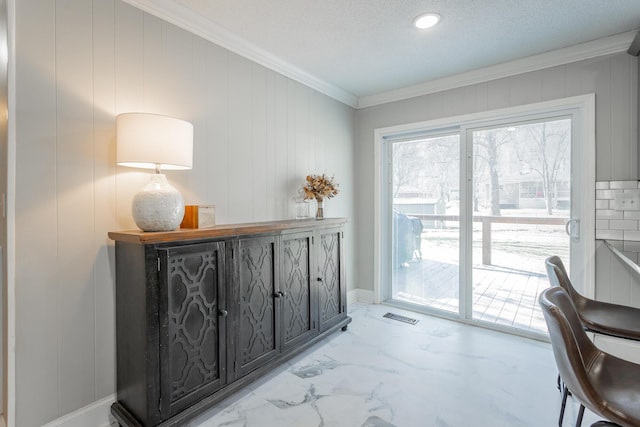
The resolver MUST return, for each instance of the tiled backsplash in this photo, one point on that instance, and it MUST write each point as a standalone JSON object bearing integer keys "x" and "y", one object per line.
{"x": 618, "y": 222}
{"x": 618, "y": 212}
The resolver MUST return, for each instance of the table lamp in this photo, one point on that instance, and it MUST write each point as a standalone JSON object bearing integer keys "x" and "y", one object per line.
{"x": 152, "y": 141}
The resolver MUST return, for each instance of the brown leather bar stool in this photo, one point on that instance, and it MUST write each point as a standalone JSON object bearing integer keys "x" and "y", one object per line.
{"x": 596, "y": 316}
{"x": 605, "y": 384}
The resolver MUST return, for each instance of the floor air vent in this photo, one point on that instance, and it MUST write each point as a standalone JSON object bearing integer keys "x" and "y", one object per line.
{"x": 401, "y": 318}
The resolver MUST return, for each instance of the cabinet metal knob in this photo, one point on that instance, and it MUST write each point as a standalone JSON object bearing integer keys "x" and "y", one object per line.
{"x": 280, "y": 294}
{"x": 223, "y": 313}
{"x": 319, "y": 279}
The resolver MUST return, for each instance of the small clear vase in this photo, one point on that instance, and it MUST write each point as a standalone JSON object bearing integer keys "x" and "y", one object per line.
{"x": 302, "y": 209}
{"x": 320, "y": 209}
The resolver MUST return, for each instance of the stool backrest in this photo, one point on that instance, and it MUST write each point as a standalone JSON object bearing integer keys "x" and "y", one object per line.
{"x": 557, "y": 274}
{"x": 572, "y": 349}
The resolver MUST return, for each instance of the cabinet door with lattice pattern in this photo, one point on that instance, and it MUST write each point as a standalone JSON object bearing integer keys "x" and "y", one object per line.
{"x": 299, "y": 307}
{"x": 258, "y": 330}
{"x": 192, "y": 315}
{"x": 331, "y": 283}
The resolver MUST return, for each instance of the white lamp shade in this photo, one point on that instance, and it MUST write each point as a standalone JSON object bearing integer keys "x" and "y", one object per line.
{"x": 150, "y": 140}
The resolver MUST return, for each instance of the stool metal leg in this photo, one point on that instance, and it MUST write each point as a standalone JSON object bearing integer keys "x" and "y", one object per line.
{"x": 565, "y": 393}
{"x": 580, "y": 415}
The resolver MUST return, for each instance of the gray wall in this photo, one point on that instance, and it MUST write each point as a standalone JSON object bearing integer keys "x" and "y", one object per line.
{"x": 613, "y": 78}
{"x": 78, "y": 64}
{"x": 3, "y": 191}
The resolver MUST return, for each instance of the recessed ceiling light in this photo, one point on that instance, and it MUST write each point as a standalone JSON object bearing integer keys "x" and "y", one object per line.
{"x": 426, "y": 20}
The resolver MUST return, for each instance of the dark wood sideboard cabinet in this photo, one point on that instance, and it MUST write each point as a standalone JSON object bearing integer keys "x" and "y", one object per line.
{"x": 202, "y": 313}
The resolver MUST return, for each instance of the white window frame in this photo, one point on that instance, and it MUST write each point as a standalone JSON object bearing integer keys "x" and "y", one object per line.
{"x": 584, "y": 130}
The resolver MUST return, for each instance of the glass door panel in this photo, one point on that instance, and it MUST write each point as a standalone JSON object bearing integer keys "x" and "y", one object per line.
{"x": 521, "y": 201}
{"x": 425, "y": 186}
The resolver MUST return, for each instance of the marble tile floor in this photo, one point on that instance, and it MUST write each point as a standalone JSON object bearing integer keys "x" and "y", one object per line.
{"x": 386, "y": 373}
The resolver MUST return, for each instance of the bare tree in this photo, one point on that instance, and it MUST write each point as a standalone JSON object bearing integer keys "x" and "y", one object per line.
{"x": 444, "y": 161}
{"x": 407, "y": 164}
{"x": 430, "y": 164}
{"x": 546, "y": 152}
{"x": 486, "y": 152}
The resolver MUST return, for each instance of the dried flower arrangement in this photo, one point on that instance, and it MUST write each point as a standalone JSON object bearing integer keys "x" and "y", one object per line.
{"x": 320, "y": 186}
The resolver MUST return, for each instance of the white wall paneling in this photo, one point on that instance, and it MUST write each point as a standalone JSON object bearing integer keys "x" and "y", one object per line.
{"x": 104, "y": 197}
{"x": 240, "y": 143}
{"x": 73, "y": 195}
{"x": 4, "y": 211}
{"x": 36, "y": 218}
{"x": 624, "y": 116}
{"x": 78, "y": 64}
{"x": 214, "y": 164}
{"x": 258, "y": 186}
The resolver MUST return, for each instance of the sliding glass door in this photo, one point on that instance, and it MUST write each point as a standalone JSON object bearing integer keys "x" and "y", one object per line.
{"x": 426, "y": 232}
{"x": 521, "y": 201}
{"x": 474, "y": 209}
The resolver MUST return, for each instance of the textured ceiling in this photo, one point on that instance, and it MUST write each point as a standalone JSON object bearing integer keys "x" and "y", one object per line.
{"x": 366, "y": 47}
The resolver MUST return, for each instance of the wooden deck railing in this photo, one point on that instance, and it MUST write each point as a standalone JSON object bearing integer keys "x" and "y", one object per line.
{"x": 486, "y": 225}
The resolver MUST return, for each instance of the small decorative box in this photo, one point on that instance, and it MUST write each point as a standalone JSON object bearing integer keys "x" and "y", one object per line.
{"x": 199, "y": 216}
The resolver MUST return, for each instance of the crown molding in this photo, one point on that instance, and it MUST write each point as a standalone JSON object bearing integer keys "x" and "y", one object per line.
{"x": 185, "y": 18}
{"x": 604, "y": 46}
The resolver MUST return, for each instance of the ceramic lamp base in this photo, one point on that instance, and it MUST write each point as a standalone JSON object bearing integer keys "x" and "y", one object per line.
{"x": 158, "y": 206}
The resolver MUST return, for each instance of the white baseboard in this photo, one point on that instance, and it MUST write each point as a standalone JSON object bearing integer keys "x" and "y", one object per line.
{"x": 93, "y": 415}
{"x": 360, "y": 295}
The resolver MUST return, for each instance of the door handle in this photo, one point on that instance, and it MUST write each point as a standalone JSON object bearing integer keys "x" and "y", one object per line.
{"x": 572, "y": 228}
